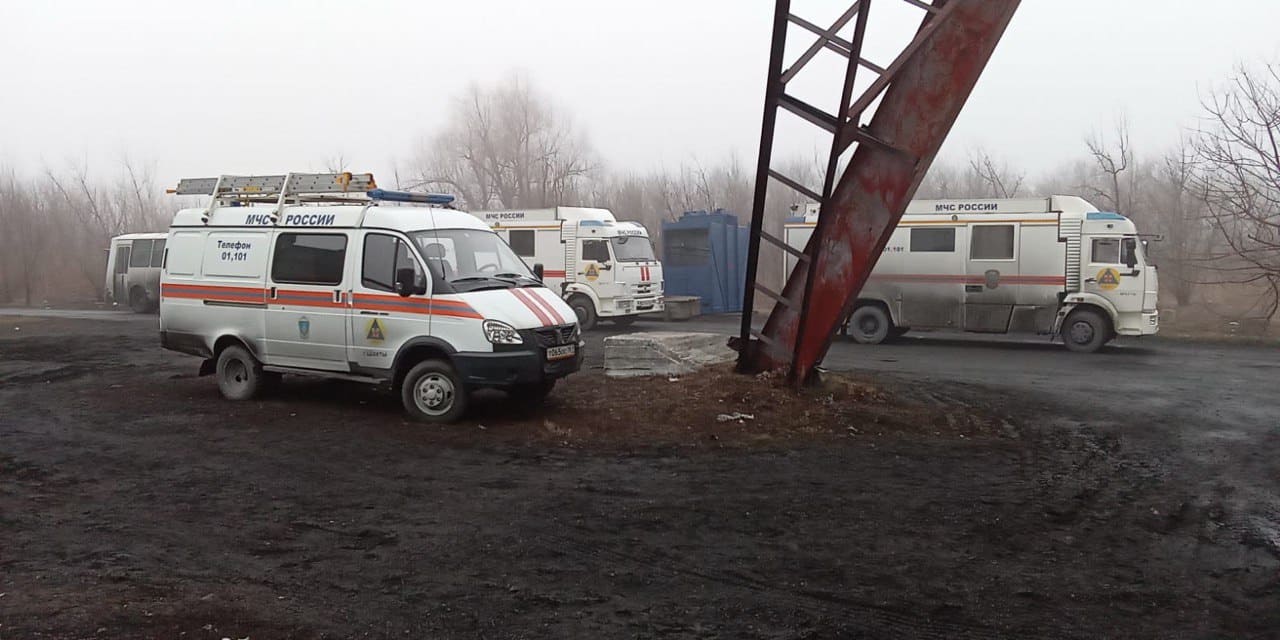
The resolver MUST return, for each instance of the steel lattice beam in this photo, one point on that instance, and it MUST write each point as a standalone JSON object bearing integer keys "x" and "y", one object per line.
{"x": 921, "y": 93}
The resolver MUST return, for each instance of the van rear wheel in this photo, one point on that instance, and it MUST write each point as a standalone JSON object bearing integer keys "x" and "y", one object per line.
{"x": 433, "y": 392}
{"x": 869, "y": 324}
{"x": 240, "y": 376}
{"x": 1085, "y": 331}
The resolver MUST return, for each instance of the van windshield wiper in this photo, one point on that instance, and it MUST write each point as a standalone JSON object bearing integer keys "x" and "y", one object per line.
{"x": 500, "y": 283}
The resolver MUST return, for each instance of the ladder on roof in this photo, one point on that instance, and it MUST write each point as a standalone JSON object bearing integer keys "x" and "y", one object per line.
{"x": 279, "y": 186}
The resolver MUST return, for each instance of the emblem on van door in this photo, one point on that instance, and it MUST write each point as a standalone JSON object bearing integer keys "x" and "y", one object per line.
{"x": 374, "y": 333}
{"x": 991, "y": 278}
{"x": 304, "y": 328}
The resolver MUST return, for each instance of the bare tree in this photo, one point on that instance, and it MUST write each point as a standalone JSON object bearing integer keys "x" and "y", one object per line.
{"x": 1239, "y": 178}
{"x": 1000, "y": 181}
{"x": 1113, "y": 159}
{"x": 1178, "y": 214}
{"x": 506, "y": 146}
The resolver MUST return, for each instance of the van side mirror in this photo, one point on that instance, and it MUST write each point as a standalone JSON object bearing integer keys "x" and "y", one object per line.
{"x": 405, "y": 282}
{"x": 538, "y": 270}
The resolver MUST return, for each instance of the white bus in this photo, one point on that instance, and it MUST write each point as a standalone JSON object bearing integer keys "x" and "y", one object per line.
{"x": 133, "y": 271}
{"x": 1053, "y": 266}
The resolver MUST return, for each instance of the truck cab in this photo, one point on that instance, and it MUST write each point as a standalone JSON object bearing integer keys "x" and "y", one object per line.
{"x": 602, "y": 267}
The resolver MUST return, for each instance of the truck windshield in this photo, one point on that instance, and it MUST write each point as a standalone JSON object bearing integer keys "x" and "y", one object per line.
{"x": 471, "y": 259}
{"x": 632, "y": 249}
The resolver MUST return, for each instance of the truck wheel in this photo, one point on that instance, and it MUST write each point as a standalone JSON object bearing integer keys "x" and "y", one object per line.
{"x": 240, "y": 376}
{"x": 433, "y": 392}
{"x": 585, "y": 311}
{"x": 1085, "y": 331}
{"x": 624, "y": 321}
{"x": 869, "y": 324}
{"x": 138, "y": 302}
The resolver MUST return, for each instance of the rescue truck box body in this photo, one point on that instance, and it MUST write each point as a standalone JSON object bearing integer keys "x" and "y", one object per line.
{"x": 1051, "y": 266}
{"x": 602, "y": 267}
{"x": 133, "y": 271}
{"x": 365, "y": 292}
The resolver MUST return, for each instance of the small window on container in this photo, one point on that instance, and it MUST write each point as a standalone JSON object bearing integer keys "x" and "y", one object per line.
{"x": 925, "y": 240}
{"x": 522, "y": 242}
{"x": 991, "y": 242}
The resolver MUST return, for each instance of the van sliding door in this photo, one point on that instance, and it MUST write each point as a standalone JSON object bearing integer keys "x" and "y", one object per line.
{"x": 991, "y": 276}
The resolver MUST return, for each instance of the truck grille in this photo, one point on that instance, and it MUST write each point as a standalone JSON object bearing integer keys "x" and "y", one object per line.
{"x": 644, "y": 288}
{"x": 556, "y": 336}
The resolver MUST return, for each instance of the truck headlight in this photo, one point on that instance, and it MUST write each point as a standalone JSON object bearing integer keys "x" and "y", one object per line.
{"x": 500, "y": 333}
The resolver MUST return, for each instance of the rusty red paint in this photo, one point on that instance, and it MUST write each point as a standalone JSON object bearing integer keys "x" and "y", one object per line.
{"x": 915, "y": 114}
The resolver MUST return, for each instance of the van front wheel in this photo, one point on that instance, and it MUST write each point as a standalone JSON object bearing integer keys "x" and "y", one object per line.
{"x": 433, "y": 392}
{"x": 239, "y": 374}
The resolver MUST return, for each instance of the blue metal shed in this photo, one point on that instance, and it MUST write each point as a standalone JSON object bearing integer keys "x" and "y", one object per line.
{"x": 704, "y": 254}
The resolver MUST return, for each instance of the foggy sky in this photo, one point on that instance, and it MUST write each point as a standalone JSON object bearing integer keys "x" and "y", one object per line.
{"x": 241, "y": 87}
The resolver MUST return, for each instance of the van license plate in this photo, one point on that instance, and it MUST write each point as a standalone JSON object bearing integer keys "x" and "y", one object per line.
{"x": 562, "y": 352}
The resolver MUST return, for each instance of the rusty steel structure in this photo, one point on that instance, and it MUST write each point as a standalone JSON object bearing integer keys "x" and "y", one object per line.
{"x": 920, "y": 95}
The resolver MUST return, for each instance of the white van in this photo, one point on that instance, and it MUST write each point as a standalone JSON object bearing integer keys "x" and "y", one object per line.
{"x": 604, "y": 269}
{"x": 133, "y": 271}
{"x": 324, "y": 275}
{"x": 1053, "y": 266}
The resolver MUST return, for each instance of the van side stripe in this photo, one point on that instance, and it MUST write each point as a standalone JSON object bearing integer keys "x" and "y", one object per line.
{"x": 541, "y": 315}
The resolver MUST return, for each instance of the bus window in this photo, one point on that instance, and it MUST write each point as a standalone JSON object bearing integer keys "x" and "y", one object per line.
{"x": 157, "y": 253}
{"x": 122, "y": 258}
{"x": 141, "y": 256}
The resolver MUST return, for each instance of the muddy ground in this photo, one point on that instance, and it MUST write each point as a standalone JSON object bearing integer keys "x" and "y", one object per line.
{"x": 135, "y": 503}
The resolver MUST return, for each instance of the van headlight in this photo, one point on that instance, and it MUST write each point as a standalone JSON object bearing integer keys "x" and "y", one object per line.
{"x": 501, "y": 333}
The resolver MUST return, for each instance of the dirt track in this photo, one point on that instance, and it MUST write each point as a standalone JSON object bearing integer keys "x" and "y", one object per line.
{"x": 135, "y": 503}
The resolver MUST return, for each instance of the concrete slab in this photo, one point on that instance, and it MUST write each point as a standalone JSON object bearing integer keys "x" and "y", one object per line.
{"x": 663, "y": 353}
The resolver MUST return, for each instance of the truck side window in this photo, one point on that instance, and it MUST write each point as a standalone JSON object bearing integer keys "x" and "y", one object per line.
{"x": 141, "y": 256}
{"x": 157, "y": 253}
{"x": 930, "y": 240}
{"x": 522, "y": 242}
{"x": 991, "y": 242}
{"x": 1105, "y": 251}
{"x": 309, "y": 258}
{"x": 595, "y": 250}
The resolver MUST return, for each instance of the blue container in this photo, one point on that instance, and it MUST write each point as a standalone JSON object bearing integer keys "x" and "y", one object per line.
{"x": 705, "y": 255}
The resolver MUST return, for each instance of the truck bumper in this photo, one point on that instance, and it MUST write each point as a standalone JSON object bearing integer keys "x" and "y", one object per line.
{"x": 508, "y": 368}
{"x": 1144, "y": 324}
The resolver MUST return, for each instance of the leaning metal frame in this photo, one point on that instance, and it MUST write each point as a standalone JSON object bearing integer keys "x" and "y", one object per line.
{"x": 921, "y": 93}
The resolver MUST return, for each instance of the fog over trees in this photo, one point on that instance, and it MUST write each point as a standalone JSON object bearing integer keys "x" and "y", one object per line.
{"x": 1209, "y": 200}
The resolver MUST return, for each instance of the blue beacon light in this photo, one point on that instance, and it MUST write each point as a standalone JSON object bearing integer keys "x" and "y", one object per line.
{"x": 405, "y": 196}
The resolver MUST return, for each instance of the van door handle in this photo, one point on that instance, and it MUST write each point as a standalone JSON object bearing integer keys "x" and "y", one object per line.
{"x": 1092, "y": 281}
{"x": 373, "y": 313}
{"x": 273, "y": 293}
{"x": 973, "y": 288}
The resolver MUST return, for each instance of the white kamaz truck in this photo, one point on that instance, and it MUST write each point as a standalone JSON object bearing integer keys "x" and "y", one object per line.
{"x": 1054, "y": 266}
{"x": 603, "y": 268}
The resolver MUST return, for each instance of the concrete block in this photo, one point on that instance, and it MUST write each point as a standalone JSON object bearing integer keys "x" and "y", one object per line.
{"x": 663, "y": 353}
{"x": 677, "y": 308}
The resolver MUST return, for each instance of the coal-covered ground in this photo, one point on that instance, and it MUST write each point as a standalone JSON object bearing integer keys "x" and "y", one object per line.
{"x": 940, "y": 489}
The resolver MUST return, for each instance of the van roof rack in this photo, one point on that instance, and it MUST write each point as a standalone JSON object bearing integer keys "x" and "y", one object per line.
{"x": 278, "y": 187}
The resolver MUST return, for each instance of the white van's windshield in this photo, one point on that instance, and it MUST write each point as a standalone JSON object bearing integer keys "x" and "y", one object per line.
{"x": 472, "y": 259}
{"x": 632, "y": 249}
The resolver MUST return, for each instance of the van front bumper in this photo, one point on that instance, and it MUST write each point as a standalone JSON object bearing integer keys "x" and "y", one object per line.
{"x": 508, "y": 368}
